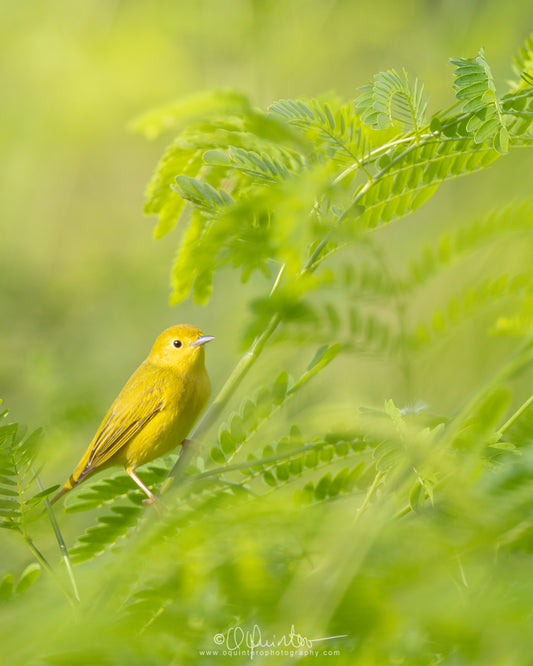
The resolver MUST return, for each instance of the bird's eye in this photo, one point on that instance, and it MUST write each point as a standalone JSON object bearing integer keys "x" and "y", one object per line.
{"x": 177, "y": 343}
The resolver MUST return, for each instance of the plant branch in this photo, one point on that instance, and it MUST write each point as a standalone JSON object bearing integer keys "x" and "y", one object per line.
{"x": 369, "y": 494}
{"x": 516, "y": 415}
{"x": 44, "y": 563}
{"x": 522, "y": 357}
{"x": 60, "y": 541}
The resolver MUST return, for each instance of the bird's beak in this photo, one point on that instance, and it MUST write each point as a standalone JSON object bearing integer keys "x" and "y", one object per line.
{"x": 201, "y": 340}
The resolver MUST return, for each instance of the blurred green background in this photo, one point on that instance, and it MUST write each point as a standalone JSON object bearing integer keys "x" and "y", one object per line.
{"x": 84, "y": 285}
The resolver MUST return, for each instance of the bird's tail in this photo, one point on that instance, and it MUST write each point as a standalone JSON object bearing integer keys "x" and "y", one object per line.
{"x": 65, "y": 488}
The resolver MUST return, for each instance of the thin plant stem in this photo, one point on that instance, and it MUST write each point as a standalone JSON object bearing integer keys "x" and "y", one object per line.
{"x": 60, "y": 541}
{"x": 516, "y": 415}
{"x": 217, "y": 471}
{"x": 369, "y": 494}
{"x": 38, "y": 555}
{"x": 521, "y": 358}
{"x": 45, "y": 564}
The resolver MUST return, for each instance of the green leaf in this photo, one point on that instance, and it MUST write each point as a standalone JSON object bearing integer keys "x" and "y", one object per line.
{"x": 202, "y": 195}
{"x": 263, "y": 168}
{"x": 237, "y": 432}
{"x": 352, "y": 478}
{"x": 323, "y": 357}
{"x": 322, "y": 487}
{"x": 332, "y": 128}
{"x": 249, "y": 416}
{"x": 39, "y": 497}
{"x": 28, "y": 577}
{"x": 306, "y": 494}
{"x": 417, "y": 496}
{"x": 17, "y": 460}
{"x": 109, "y": 529}
{"x": 339, "y": 482}
{"x": 263, "y": 402}
{"x": 216, "y": 158}
{"x": 188, "y": 109}
{"x": 6, "y": 587}
{"x": 217, "y": 455}
{"x": 501, "y": 141}
{"x": 283, "y": 472}
{"x": 226, "y": 442}
{"x": 269, "y": 479}
{"x": 389, "y": 100}
{"x": 279, "y": 388}
{"x": 523, "y": 64}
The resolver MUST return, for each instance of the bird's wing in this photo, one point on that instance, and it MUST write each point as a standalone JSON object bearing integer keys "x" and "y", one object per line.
{"x": 138, "y": 402}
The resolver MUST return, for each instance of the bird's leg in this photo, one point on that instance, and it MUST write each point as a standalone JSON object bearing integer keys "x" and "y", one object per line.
{"x": 151, "y": 497}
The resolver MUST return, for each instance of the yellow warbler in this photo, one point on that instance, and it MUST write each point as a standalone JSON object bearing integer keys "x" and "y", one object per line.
{"x": 154, "y": 411}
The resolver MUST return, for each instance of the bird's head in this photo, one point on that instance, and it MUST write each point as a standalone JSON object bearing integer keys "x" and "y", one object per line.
{"x": 179, "y": 347}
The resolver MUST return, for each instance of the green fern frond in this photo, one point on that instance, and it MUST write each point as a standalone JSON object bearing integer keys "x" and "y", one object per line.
{"x": 184, "y": 157}
{"x": 332, "y": 126}
{"x": 291, "y": 460}
{"x": 239, "y": 234}
{"x": 341, "y": 464}
{"x": 106, "y": 533}
{"x": 364, "y": 280}
{"x": 8, "y": 587}
{"x": 517, "y": 324}
{"x": 203, "y": 196}
{"x": 190, "y": 109}
{"x": 523, "y": 65}
{"x": 254, "y": 413}
{"x": 18, "y": 476}
{"x": 100, "y": 491}
{"x": 191, "y": 269}
{"x": 270, "y": 168}
{"x": 360, "y": 330}
{"x": 474, "y": 85}
{"x": 412, "y": 174}
{"x": 389, "y": 101}
{"x": 451, "y": 247}
{"x": 268, "y": 224}
{"x": 474, "y": 82}
{"x": 123, "y": 514}
{"x": 475, "y": 300}
{"x": 270, "y": 201}
{"x": 161, "y": 199}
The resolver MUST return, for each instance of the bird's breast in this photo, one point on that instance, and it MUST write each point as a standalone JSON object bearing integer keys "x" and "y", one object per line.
{"x": 184, "y": 398}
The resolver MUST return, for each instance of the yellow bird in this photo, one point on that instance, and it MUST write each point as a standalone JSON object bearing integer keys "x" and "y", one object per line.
{"x": 155, "y": 410}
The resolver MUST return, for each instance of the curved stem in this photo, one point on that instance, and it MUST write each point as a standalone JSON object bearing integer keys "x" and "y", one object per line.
{"x": 369, "y": 494}
{"x": 516, "y": 415}
{"x": 44, "y": 563}
{"x": 522, "y": 357}
{"x": 60, "y": 541}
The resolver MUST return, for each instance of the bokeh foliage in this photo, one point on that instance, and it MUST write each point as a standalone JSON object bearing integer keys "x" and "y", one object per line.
{"x": 317, "y": 500}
